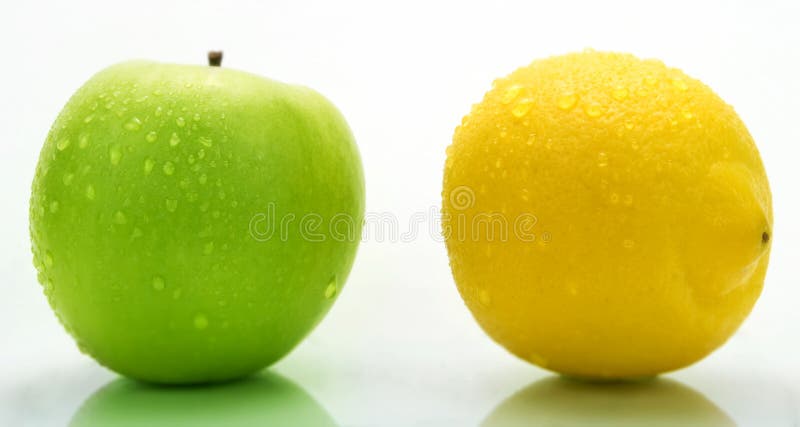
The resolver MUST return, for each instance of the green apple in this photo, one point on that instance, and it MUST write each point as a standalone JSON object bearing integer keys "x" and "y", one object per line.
{"x": 193, "y": 223}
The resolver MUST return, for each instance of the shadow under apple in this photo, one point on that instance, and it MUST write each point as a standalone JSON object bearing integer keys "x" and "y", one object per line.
{"x": 557, "y": 401}
{"x": 264, "y": 399}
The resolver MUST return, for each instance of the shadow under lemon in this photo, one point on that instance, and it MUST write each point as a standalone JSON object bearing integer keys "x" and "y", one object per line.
{"x": 557, "y": 401}
{"x": 264, "y": 399}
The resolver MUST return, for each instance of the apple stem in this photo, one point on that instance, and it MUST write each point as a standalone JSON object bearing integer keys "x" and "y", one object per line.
{"x": 215, "y": 58}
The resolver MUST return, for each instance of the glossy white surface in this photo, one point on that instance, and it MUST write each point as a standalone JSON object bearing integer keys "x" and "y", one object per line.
{"x": 399, "y": 348}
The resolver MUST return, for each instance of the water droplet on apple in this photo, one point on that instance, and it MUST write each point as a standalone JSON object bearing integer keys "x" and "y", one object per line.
{"x": 208, "y": 248}
{"x": 202, "y": 179}
{"x": 148, "y": 165}
{"x": 171, "y": 205}
{"x": 137, "y": 233}
{"x": 159, "y": 111}
{"x": 158, "y": 283}
{"x": 114, "y": 154}
{"x": 332, "y": 288}
{"x": 168, "y": 168}
{"x": 90, "y": 194}
{"x": 180, "y": 122}
{"x": 48, "y": 288}
{"x": 133, "y": 124}
{"x": 200, "y": 321}
{"x": 62, "y": 144}
{"x": 174, "y": 140}
{"x": 83, "y": 141}
{"x": 151, "y": 136}
{"x": 67, "y": 178}
{"x": 205, "y": 141}
{"x": 83, "y": 348}
{"x": 88, "y": 118}
{"x": 48, "y": 259}
{"x": 120, "y": 218}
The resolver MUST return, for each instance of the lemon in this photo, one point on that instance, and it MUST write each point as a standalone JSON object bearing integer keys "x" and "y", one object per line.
{"x": 606, "y": 216}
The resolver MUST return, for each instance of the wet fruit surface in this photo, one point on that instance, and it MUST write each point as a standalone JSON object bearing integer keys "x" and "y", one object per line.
{"x": 605, "y": 216}
{"x": 142, "y": 217}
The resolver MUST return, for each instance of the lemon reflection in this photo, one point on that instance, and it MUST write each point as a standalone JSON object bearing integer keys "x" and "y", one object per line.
{"x": 265, "y": 399}
{"x": 556, "y": 401}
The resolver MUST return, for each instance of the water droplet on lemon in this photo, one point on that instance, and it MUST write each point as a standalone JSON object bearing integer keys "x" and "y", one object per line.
{"x": 522, "y": 107}
{"x": 593, "y": 110}
{"x": 680, "y": 84}
{"x": 511, "y": 94}
{"x": 602, "y": 159}
{"x": 331, "y": 289}
{"x": 484, "y": 298}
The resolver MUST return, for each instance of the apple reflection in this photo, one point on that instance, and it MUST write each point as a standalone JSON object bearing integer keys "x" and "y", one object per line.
{"x": 263, "y": 399}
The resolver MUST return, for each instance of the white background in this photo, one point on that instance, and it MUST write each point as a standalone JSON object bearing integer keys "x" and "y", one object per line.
{"x": 399, "y": 348}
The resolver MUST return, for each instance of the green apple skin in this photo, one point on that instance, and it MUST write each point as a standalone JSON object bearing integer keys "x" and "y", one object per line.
{"x": 142, "y": 213}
